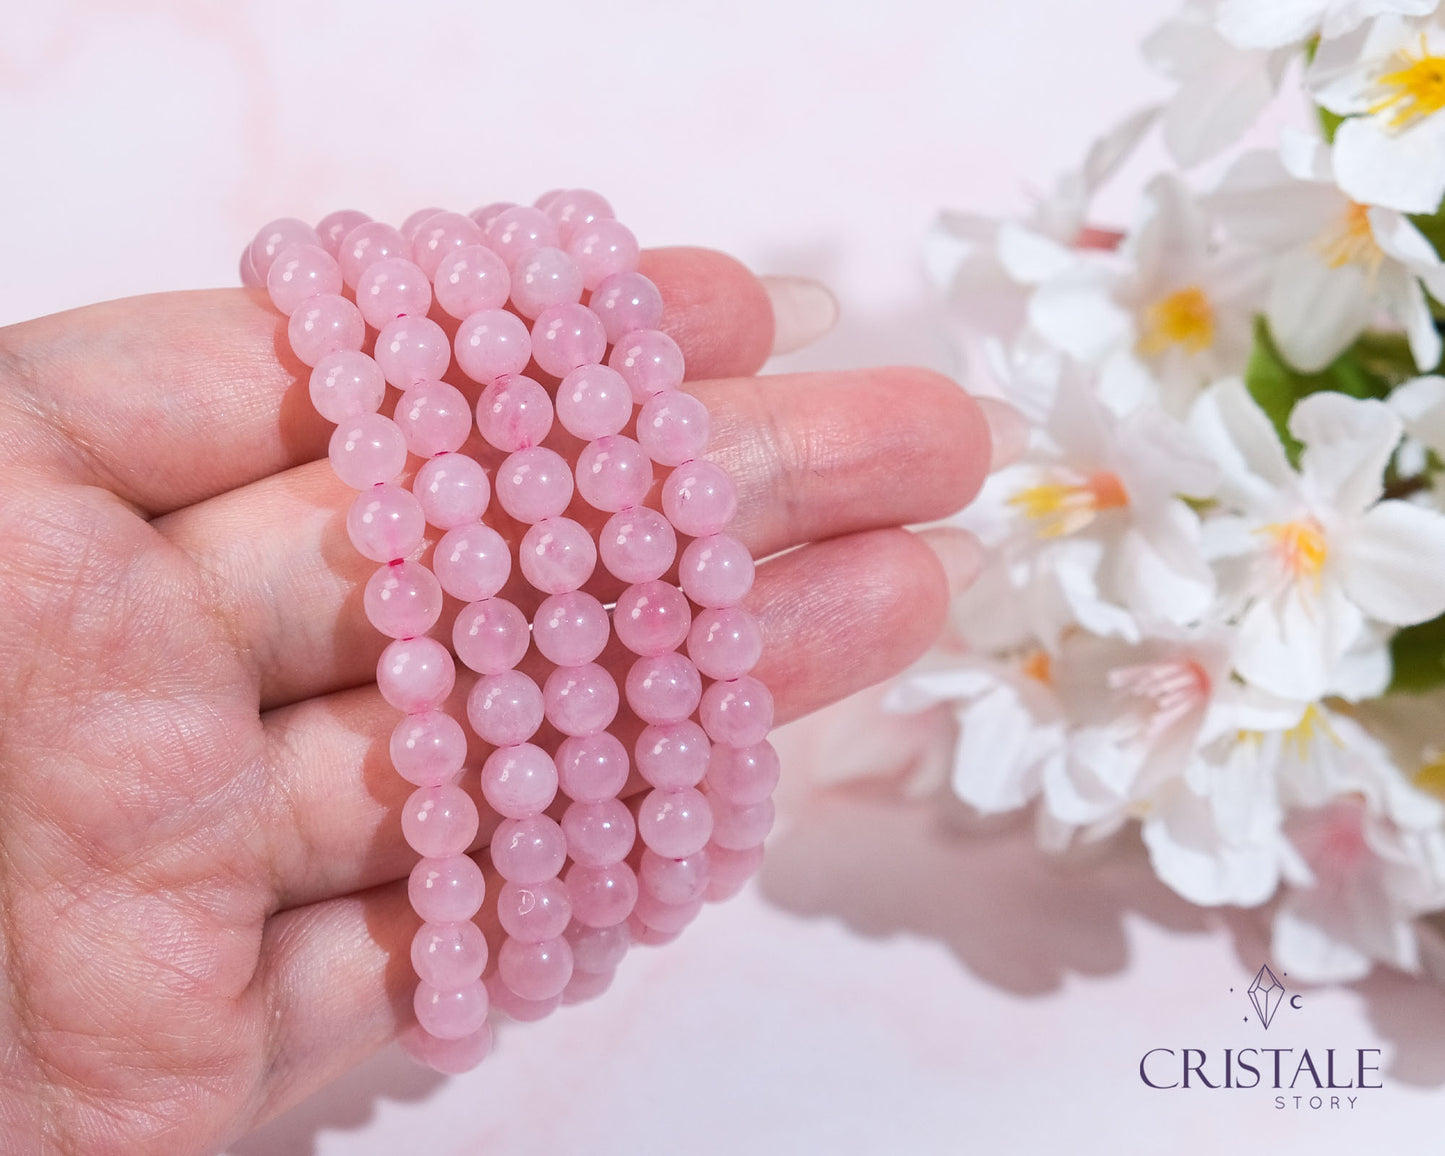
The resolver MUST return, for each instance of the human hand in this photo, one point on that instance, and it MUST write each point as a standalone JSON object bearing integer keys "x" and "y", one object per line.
{"x": 203, "y": 905}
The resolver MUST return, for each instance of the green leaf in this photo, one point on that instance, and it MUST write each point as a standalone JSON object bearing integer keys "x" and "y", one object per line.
{"x": 1329, "y": 123}
{"x": 1419, "y": 656}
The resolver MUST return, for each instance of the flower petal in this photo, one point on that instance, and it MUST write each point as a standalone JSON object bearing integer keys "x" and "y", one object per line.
{"x": 1421, "y": 403}
{"x": 1392, "y": 563}
{"x": 1189, "y": 854}
{"x": 1402, "y": 170}
{"x": 1305, "y": 948}
{"x": 1078, "y": 314}
{"x": 1251, "y": 24}
{"x": 1289, "y": 644}
{"x": 1233, "y": 430}
{"x": 1347, "y": 445}
{"x": 1315, "y": 312}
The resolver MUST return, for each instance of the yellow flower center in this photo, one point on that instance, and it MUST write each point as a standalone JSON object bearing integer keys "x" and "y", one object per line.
{"x": 1184, "y": 318}
{"x": 1312, "y": 725}
{"x": 1064, "y": 507}
{"x": 1038, "y": 666}
{"x": 1413, "y": 89}
{"x": 1431, "y": 777}
{"x": 1351, "y": 241}
{"x": 1300, "y": 545}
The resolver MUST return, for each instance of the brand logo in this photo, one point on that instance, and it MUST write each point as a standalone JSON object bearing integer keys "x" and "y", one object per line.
{"x": 1266, "y": 993}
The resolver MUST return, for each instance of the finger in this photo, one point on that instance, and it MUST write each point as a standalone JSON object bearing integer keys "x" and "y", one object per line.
{"x": 881, "y": 596}
{"x": 170, "y": 399}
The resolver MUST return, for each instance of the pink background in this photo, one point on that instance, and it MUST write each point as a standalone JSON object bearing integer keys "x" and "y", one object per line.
{"x": 891, "y": 985}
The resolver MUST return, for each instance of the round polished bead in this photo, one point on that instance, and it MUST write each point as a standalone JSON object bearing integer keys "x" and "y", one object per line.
{"x": 428, "y": 748}
{"x": 412, "y": 349}
{"x": 440, "y": 235}
{"x": 593, "y": 401}
{"x": 601, "y": 896}
{"x": 472, "y": 562}
{"x": 585, "y": 985}
{"x": 275, "y": 236}
{"x": 249, "y": 277}
{"x": 743, "y": 775}
{"x": 673, "y": 880}
{"x": 673, "y": 755}
{"x": 346, "y": 383}
{"x": 416, "y": 220}
{"x": 326, "y": 323}
{"x": 490, "y": 636}
{"x": 716, "y": 571}
{"x": 626, "y": 302}
{"x": 390, "y": 288}
{"x": 446, "y": 889}
{"x": 528, "y": 850}
{"x": 364, "y": 246}
{"x": 471, "y": 280}
{"x": 514, "y": 413}
{"x": 570, "y": 629}
{"x": 651, "y": 617}
{"x": 488, "y": 213}
{"x": 667, "y": 918}
{"x": 565, "y": 337}
{"x": 597, "y": 949}
{"x": 367, "y": 449}
{"x": 519, "y": 781}
{"x": 648, "y": 936}
{"x": 598, "y": 833}
{"x": 730, "y": 870}
{"x": 580, "y": 700}
{"x": 663, "y": 688}
{"x": 385, "y": 522}
{"x": 738, "y": 712}
{"x": 725, "y": 643}
{"x": 450, "y": 1057}
{"x": 534, "y": 484}
{"x": 547, "y": 198}
{"x": 333, "y": 227}
{"x": 416, "y": 674}
{"x": 453, "y": 490}
{"x": 518, "y": 230}
{"x": 535, "y": 971}
{"x": 513, "y": 1006}
{"x": 591, "y": 768}
{"x": 402, "y": 599}
{"x": 637, "y": 545}
{"x": 675, "y": 823}
{"x": 739, "y": 826}
{"x": 673, "y": 427}
{"x": 573, "y": 209}
{"x": 649, "y": 361}
{"x": 493, "y": 343}
{"x": 299, "y": 272}
{"x": 533, "y": 912}
{"x": 557, "y": 555}
{"x": 439, "y": 821}
{"x": 452, "y": 1015}
{"x": 434, "y": 417}
{"x": 699, "y": 498}
{"x": 542, "y": 278}
{"x": 505, "y": 708}
{"x": 601, "y": 248}
{"x": 613, "y": 473}
{"x": 449, "y": 955}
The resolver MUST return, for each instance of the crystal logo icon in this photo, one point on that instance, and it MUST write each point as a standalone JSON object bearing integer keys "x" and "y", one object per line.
{"x": 1266, "y": 993}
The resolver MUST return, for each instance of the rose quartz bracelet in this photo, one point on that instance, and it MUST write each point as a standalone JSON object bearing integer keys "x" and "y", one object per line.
{"x": 528, "y": 300}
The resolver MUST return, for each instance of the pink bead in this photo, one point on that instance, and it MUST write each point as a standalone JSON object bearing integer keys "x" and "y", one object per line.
{"x": 326, "y": 323}
{"x": 367, "y": 449}
{"x": 674, "y": 881}
{"x": 602, "y": 248}
{"x": 449, "y": 955}
{"x": 663, "y": 688}
{"x": 275, "y": 236}
{"x": 299, "y": 272}
{"x": 651, "y": 617}
{"x": 597, "y": 949}
{"x": 439, "y": 236}
{"x": 402, "y": 599}
{"x": 533, "y": 912}
{"x": 249, "y": 277}
{"x": 675, "y": 823}
{"x": 505, "y": 709}
{"x": 593, "y": 401}
{"x": 613, "y": 473}
{"x": 570, "y": 629}
{"x": 535, "y": 971}
{"x": 648, "y": 936}
{"x": 649, "y": 361}
{"x": 674, "y": 755}
{"x": 738, "y": 826}
{"x": 738, "y": 712}
{"x": 585, "y": 985}
{"x": 490, "y": 636}
{"x": 519, "y": 781}
{"x": 725, "y": 643}
{"x": 566, "y": 337}
{"x": 439, "y": 821}
{"x": 626, "y": 302}
{"x": 557, "y": 555}
{"x": 385, "y": 522}
{"x": 637, "y": 545}
{"x": 485, "y": 215}
{"x": 514, "y": 413}
{"x": 716, "y": 571}
{"x": 472, "y": 562}
{"x": 730, "y": 870}
{"x": 546, "y": 199}
{"x": 601, "y": 896}
{"x": 743, "y": 775}
{"x": 667, "y": 918}
{"x": 416, "y": 220}
{"x": 450, "y": 1057}
{"x": 699, "y": 498}
{"x": 528, "y": 850}
{"x": 573, "y": 209}
{"x": 452, "y": 1015}
{"x": 346, "y": 383}
{"x": 434, "y": 418}
{"x": 412, "y": 349}
{"x": 673, "y": 427}
{"x": 591, "y": 768}
{"x": 471, "y": 280}
{"x": 429, "y": 748}
{"x": 513, "y": 1006}
{"x": 368, "y": 243}
{"x": 493, "y": 343}
{"x": 390, "y": 288}
{"x": 542, "y": 278}
{"x": 534, "y": 484}
{"x": 518, "y": 230}
{"x": 446, "y": 889}
{"x": 453, "y": 490}
{"x": 598, "y": 833}
{"x": 333, "y": 227}
{"x": 580, "y": 700}
{"x": 416, "y": 674}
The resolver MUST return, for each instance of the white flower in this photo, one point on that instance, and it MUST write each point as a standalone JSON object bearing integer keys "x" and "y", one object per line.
{"x": 1309, "y": 557}
{"x": 1421, "y": 406}
{"x": 1280, "y": 23}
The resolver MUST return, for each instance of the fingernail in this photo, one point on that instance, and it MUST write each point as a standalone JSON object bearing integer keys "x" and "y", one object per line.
{"x": 960, "y": 552}
{"x": 1007, "y": 429}
{"x": 803, "y": 310}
